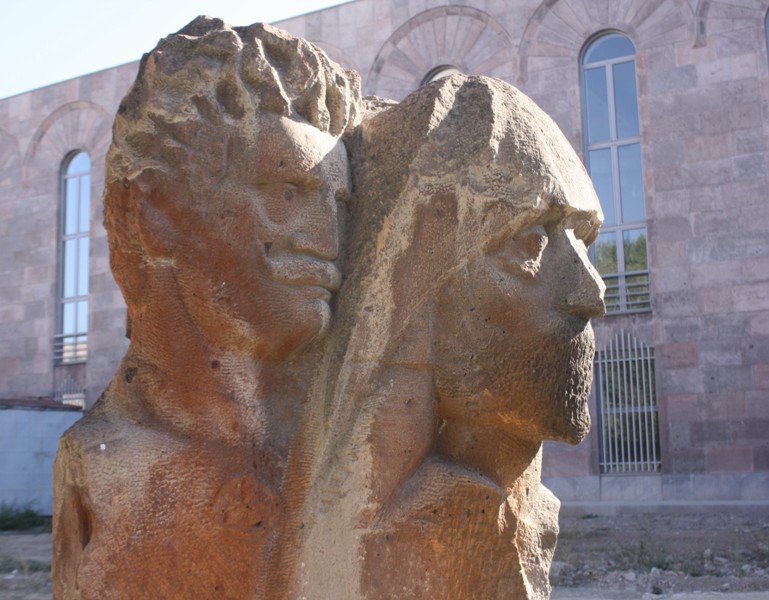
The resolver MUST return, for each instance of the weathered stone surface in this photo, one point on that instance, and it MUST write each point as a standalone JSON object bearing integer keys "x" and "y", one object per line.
{"x": 252, "y": 447}
{"x": 464, "y": 337}
{"x": 220, "y": 203}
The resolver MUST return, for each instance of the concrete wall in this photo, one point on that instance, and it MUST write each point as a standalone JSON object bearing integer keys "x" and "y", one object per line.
{"x": 29, "y": 438}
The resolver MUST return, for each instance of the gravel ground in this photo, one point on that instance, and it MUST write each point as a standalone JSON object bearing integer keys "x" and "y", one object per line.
{"x": 704, "y": 555}
{"x": 710, "y": 555}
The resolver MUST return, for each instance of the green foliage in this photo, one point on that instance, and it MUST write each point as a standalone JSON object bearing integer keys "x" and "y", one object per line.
{"x": 13, "y": 518}
{"x": 635, "y": 253}
{"x": 9, "y": 565}
{"x": 624, "y": 292}
{"x": 606, "y": 257}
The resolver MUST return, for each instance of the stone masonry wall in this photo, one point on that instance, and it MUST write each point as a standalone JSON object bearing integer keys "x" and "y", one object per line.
{"x": 39, "y": 129}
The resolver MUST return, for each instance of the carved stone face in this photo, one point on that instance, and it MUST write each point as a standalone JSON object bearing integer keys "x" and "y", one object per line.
{"x": 260, "y": 272}
{"x": 515, "y": 348}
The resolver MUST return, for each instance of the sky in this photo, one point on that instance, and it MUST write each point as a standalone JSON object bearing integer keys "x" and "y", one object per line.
{"x": 47, "y": 41}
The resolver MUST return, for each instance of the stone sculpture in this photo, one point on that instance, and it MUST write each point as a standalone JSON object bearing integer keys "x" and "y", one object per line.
{"x": 464, "y": 323}
{"x": 220, "y": 204}
{"x": 250, "y": 446}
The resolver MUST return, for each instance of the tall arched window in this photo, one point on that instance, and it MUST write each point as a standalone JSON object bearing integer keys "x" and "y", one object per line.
{"x": 71, "y": 343}
{"x": 613, "y": 156}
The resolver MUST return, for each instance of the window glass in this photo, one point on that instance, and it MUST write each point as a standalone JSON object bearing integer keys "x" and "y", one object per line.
{"x": 599, "y": 166}
{"x": 609, "y": 46}
{"x": 70, "y": 266}
{"x": 613, "y": 153}
{"x": 634, "y": 248}
{"x": 597, "y": 100}
{"x": 82, "y": 266}
{"x": 69, "y": 316}
{"x": 625, "y": 100}
{"x": 70, "y": 206}
{"x": 631, "y": 183}
{"x": 80, "y": 163}
{"x": 75, "y": 245}
{"x": 85, "y": 203}
{"x": 606, "y": 253}
{"x": 82, "y": 316}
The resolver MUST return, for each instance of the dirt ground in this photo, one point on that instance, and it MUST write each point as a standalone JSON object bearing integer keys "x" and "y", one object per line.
{"x": 653, "y": 555}
{"x": 683, "y": 555}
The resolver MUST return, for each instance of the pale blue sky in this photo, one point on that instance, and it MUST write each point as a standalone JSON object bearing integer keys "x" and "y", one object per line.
{"x": 47, "y": 41}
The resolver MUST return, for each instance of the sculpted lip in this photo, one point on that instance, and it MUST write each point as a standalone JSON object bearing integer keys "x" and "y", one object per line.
{"x": 305, "y": 270}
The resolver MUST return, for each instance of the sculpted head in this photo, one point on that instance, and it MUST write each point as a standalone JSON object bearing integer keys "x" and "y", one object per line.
{"x": 518, "y": 355}
{"x": 499, "y": 212}
{"x": 224, "y": 176}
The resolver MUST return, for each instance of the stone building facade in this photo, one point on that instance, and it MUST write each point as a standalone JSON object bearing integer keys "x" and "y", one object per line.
{"x": 681, "y": 407}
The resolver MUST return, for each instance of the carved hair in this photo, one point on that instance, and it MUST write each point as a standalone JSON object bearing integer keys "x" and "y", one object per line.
{"x": 195, "y": 92}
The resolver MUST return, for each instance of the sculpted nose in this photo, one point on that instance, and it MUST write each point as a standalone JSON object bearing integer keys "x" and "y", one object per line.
{"x": 585, "y": 296}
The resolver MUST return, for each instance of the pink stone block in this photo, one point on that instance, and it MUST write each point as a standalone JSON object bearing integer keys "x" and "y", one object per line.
{"x": 761, "y": 376}
{"x": 730, "y": 459}
{"x": 676, "y": 356}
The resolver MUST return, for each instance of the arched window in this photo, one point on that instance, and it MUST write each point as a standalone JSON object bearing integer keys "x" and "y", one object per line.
{"x": 71, "y": 342}
{"x": 439, "y": 73}
{"x": 613, "y": 156}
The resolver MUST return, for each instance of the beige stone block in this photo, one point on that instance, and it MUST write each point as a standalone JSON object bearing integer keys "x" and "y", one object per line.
{"x": 751, "y": 297}
{"x": 716, "y": 300}
{"x": 709, "y": 147}
{"x": 668, "y": 279}
{"x": 681, "y": 407}
{"x": 712, "y": 274}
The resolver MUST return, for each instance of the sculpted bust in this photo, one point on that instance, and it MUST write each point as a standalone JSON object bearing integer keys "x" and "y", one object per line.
{"x": 264, "y": 438}
{"x": 221, "y": 208}
{"x": 465, "y": 318}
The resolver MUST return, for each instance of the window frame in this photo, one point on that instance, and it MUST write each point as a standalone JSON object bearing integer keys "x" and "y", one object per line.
{"x": 71, "y": 347}
{"x": 623, "y": 304}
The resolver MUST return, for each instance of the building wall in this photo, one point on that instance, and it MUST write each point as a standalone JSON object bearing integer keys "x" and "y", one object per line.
{"x": 28, "y": 441}
{"x": 38, "y": 130}
{"x": 703, "y": 86}
{"x": 703, "y": 80}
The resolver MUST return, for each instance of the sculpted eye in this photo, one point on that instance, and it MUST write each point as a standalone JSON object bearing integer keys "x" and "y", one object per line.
{"x": 522, "y": 253}
{"x": 278, "y": 202}
{"x": 532, "y": 242}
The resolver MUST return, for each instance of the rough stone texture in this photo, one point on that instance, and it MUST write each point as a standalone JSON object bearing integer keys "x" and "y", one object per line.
{"x": 221, "y": 193}
{"x": 247, "y": 448}
{"x": 463, "y": 330}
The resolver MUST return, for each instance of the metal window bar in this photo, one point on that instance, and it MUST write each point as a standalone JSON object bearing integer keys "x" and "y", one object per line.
{"x": 70, "y": 393}
{"x": 627, "y": 407}
{"x": 70, "y": 348}
{"x": 627, "y": 292}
